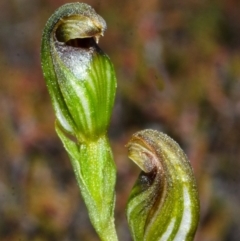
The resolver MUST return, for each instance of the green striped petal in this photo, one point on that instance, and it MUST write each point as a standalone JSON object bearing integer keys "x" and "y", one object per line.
{"x": 79, "y": 75}
{"x": 163, "y": 204}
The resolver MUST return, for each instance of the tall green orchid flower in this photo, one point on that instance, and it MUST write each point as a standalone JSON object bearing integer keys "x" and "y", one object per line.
{"x": 81, "y": 82}
{"x": 163, "y": 205}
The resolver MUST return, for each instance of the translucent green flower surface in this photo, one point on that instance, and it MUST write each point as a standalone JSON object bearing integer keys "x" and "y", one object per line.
{"x": 163, "y": 204}
{"x": 79, "y": 76}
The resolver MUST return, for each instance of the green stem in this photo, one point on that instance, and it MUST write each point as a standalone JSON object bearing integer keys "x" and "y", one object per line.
{"x": 96, "y": 176}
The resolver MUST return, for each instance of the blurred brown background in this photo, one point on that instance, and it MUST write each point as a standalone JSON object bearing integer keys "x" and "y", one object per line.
{"x": 178, "y": 70}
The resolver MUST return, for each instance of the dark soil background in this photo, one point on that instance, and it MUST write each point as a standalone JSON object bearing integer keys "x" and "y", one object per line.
{"x": 178, "y": 70}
